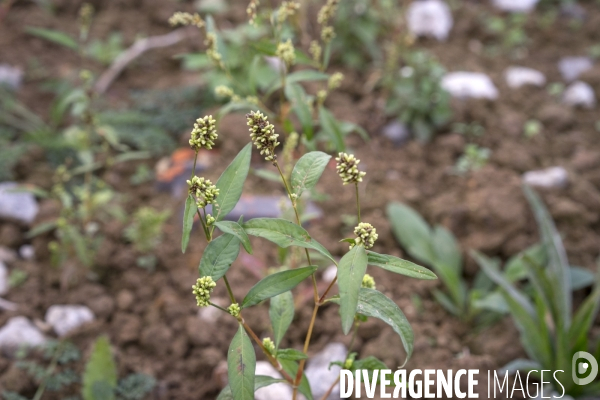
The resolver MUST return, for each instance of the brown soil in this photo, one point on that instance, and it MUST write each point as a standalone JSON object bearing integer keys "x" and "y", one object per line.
{"x": 151, "y": 317}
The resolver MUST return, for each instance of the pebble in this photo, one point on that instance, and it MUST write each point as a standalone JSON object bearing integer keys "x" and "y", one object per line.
{"x": 330, "y": 273}
{"x": 320, "y": 375}
{"x": 66, "y": 318}
{"x": 515, "y": 6}
{"x": 553, "y": 177}
{"x": 429, "y": 18}
{"x": 3, "y": 279}
{"x": 579, "y": 94}
{"x": 469, "y": 85}
{"x": 397, "y": 132}
{"x": 7, "y": 255}
{"x": 11, "y": 76}
{"x": 27, "y": 252}
{"x": 276, "y": 391}
{"x": 20, "y": 206}
{"x": 572, "y": 67}
{"x": 521, "y": 76}
{"x": 19, "y": 331}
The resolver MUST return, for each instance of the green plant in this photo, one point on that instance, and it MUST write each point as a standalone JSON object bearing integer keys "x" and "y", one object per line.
{"x": 551, "y": 331}
{"x": 415, "y": 95}
{"x": 357, "y": 297}
{"x": 532, "y": 128}
{"x": 470, "y": 130}
{"x": 474, "y": 158}
{"x": 145, "y": 232}
{"x": 509, "y": 32}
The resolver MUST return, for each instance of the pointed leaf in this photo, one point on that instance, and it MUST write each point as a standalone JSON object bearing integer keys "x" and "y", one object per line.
{"x": 260, "y": 381}
{"x": 281, "y": 313}
{"x": 236, "y": 230}
{"x": 291, "y": 367}
{"x": 231, "y": 183}
{"x": 218, "y": 256}
{"x": 308, "y": 170}
{"x": 100, "y": 370}
{"x": 351, "y": 271}
{"x": 53, "y": 36}
{"x": 188, "y": 221}
{"x": 276, "y": 284}
{"x": 399, "y": 266}
{"x": 291, "y": 354}
{"x": 331, "y": 128}
{"x": 241, "y": 366}
{"x": 284, "y": 234}
{"x": 411, "y": 230}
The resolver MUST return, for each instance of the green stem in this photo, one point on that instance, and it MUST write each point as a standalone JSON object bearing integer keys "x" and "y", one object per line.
{"x": 231, "y": 296}
{"x": 218, "y": 306}
{"x": 357, "y": 202}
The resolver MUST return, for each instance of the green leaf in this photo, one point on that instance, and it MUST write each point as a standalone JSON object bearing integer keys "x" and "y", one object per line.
{"x": 241, "y": 365}
{"x": 53, "y": 36}
{"x": 231, "y": 183}
{"x": 399, "y": 266}
{"x": 281, "y": 313}
{"x": 299, "y": 76}
{"x": 295, "y": 93}
{"x": 351, "y": 271}
{"x": 188, "y": 221}
{"x": 580, "y": 277}
{"x": 218, "y": 256}
{"x": 260, "y": 381}
{"x": 411, "y": 230}
{"x": 291, "y": 354}
{"x": 291, "y": 367}
{"x": 446, "y": 249}
{"x": 276, "y": 284}
{"x": 235, "y": 229}
{"x": 40, "y": 229}
{"x": 369, "y": 364}
{"x": 583, "y": 319}
{"x": 284, "y": 234}
{"x": 99, "y": 370}
{"x": 308, "y": 170}
{"x": 331, "y": 128}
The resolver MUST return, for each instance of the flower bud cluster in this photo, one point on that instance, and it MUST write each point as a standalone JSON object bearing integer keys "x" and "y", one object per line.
{"x": 202, "y": 290}
{"x": 366, "y": 235}
{"x": 347, "y": 168}
{"x": 204, "y": 190}
{"x": 263, "y": 134}
{"x": 204, "y": 133}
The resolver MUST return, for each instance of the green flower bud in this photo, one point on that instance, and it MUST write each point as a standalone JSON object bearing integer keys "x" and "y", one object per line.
{"x": 185, "y": 18}
{"x": 269, "y": 345}
{"x": 285, "y": 51}
{"x": 224, "y": 91}
{"x": 335, "y": 81}
{"x": 204, "y": 133}
{"x": 327, "y": 34}
{"x": 234, "y": 309}
{"x": 347, "y": 168}
{"x": 263, "y": 134}
{"x": 367, "y": 235}
{"x": 202, "y": 290}
{"x": 209, "y": 220}
{"x": 368, "y": 282}
{"x": 204, "y": 190}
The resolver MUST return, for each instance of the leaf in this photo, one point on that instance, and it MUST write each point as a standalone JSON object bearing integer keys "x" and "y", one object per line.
{"x": 276, "y": 284}
{"x": 584, "y": 318}
{"x": 231, "y": 183}
{"x": 446, "y": 249}
{"x": 260, "y": 381}
{"x": 351, "y": 271}
{"x": 369, "y": 364}
{"x": 331, "y": 128}
{"x": 308, "y": 170}
{"x": 241, "y": 365}
{"x": 399, "y": 266}
{"x": 580, "y": 278}
{"x": 53, "y": 36}
{"x": 291, "y": 367}
{"x": 284, "y": 234}
{"x": 373, "y": 303}
{"x": 291, "y": 354}
{"x": 40, "y": 229}
{"x": 236, "y": 230}
{"x": 295, "y": 93}
{"x": 99, "y": 370}
{"x": 218, "y": 256}
{"x": 188, "y": 221}
{"x": 299, "y": 76}
{"x": 281, "y": 313}
{"x": 411, "y": 230}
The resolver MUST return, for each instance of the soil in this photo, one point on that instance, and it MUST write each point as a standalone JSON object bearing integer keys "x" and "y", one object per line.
{"x": 151, "y": 317}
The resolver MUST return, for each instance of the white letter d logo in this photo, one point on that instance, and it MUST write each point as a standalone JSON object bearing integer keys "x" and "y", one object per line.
{"x": 579, "y": 368}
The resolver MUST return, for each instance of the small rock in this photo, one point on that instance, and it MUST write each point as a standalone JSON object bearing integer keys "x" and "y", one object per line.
{"x": 469, "y": 84}
{"x": 19, "y": 331}
{"x": 579, "y": 94}
{"x": 3, "y": 279}
{"x": 125, "y": 299}
{"x": 318, "y": 373}
{"x": 7, "y": 255}
{"x": 554, "y": 177}
{"x": 277, "y": 391}
{"x": 397, "y": 132}
{"x": 67, "y": 318}
{"x": 11, "y": 76}
{"x": 20, "y": 206}
{"x": 212, "y": 314}
{"x": 571, "y": 67}
{"x": 27, "y": 252}
{"x": 515, "y": 6}
{"x": 521, "y": 76}
{"x": 330, "y": 273}
{"x": 429, "y": 18}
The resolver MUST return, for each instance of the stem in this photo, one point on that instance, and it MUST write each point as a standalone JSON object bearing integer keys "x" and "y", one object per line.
{"x": 229, "y": 289}
{"x": 357, "y": 203}
{"x": 328, "y": 392}
{"x": 218, "y": 306}
{"x": 321, "y": 300}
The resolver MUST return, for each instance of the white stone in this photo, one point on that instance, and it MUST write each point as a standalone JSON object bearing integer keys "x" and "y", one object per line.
{"x": 516, "y": 6}
{"x": 579, "y": 94}
{"x": 66, "y": 318}
{"x": 11, "y": 76}
{"x": 320, "y": 376}
{"x": 330, "y": 273}
{"x": 572, "y": 67}
{"x": 3, "y": 279}
{"x": 397, "y": 132}
{"x": 20, "y": 331}
{"x": 429, "y": 18}
{"x": 27, "y": 252}
{"x": 7, "y": 255}
{"x": 554, "y": 177}
{"x": 521, "y": 76}
{"x": 20, "y": 206}
{"x": 276, "y": 391}
{"x": 469, "y": 84}
{"x": 212, "y": 314}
